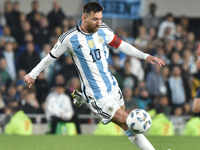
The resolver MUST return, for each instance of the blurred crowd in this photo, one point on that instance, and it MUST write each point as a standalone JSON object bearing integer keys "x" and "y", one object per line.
{"x": 27, "y": 38}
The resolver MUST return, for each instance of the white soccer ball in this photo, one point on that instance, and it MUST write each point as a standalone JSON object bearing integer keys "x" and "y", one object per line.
{"x": 138, "y": 121}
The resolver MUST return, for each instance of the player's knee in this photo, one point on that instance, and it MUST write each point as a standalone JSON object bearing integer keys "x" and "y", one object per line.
{"x": 195, "y": 109}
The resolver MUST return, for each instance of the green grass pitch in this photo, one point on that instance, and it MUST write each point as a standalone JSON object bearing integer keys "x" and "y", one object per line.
{"x": 91, "y": 142}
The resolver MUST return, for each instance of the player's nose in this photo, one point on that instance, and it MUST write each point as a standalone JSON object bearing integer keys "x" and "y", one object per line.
{"x": 98, "y": 22}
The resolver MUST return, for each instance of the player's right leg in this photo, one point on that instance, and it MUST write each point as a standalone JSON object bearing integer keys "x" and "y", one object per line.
{"x": 138, "y": 139}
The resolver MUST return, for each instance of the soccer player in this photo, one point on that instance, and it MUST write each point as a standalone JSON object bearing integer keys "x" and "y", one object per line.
{"x": 86, "y": 44}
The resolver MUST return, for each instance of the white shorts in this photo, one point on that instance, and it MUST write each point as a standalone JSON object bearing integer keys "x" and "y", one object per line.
{"x": 107, "y": 106}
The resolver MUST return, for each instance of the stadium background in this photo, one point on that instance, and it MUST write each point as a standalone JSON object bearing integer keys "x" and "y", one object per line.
{"x": 72, "y": 10}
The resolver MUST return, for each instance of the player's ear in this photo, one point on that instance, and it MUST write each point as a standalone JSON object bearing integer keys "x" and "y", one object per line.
{"x": 83, "y": 17}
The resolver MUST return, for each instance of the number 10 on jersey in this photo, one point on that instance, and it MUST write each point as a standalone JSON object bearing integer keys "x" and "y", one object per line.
{"x": 95, "y": 54}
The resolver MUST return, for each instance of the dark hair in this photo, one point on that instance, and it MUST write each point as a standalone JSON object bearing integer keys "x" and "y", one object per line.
{"x": 169, "y": 15}
{"x": 33, "y": 2}
{"x": 127, "y": 61}
{"x": 92, "y": 6}
{"x": 152, "y": 5}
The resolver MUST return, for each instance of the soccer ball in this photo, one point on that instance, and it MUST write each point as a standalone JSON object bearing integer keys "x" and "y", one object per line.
{"x": 138, "y": 121}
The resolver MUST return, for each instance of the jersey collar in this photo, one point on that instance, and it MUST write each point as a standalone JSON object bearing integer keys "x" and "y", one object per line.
{"x": 79, "y": 29}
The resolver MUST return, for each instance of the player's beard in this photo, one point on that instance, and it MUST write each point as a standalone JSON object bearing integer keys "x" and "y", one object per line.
{"x": 93, "y": 29}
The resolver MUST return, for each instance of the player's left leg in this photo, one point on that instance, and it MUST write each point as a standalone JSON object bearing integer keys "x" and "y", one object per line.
{"x": 196, "y": 102}
{"x": 138, "y": 139}
{"x": 196, "y": 105}
{"x": 122, "y": 107}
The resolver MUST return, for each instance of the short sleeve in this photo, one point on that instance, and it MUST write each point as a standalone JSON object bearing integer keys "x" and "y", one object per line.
{"x": 111, "y": 38}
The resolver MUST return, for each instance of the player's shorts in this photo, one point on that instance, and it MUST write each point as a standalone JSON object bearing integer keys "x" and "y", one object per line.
{"x": 107, "y": 106}
{"x": 198, "y": 93}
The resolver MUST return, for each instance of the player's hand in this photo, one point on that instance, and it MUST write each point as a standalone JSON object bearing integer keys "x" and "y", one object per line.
{"x": 29, "y": 81}
{"x": 152, "y": 60}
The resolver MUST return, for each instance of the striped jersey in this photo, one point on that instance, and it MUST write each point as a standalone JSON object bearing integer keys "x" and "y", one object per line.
{"x": 89, "y": 52}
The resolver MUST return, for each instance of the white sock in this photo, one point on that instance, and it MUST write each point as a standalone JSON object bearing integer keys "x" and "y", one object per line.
{"x": 139, "y": 140}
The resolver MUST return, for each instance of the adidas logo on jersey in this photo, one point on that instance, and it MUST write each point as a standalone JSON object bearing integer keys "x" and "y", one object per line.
{"x": 79, "y": 46}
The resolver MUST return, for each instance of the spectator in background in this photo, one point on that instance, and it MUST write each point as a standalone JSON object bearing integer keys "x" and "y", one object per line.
{"x": 164, "y": 103}
{"x": 34, "y": 6}
{"x": 142, "y": 39}
{"x": 9, "y": 55}
{"x": 136, "y": 68}
{"x": 28, "y": 38}
{"x": 20, "y": 77}
{"x": 161, "y": 54}
{"x": 22, "y": 18}
{"x": 42, "y": 88}
{"x": 167, "y": 23}
{"x": 29, "y": 58}
{"x": 2, "y": 22}
{"x": 68, "y": 69}
{"x": 184, "y": 23}
{"x": 55, "y": 16}
{"x": 143, "y": 99}
{"x": 130, "y": 101}
{"x": 178, "y": 120}
{"x": 167, "y": 35}
{"x": 2, "y": 105}
{"x": 179, "y": 31}
{"x": 8, "y": 13}
{"x": 19, "y": 124}
{"x": 57, "y": 32}
{"x": 169, "y": 49}
{"x": 190, "y": 40}
{"x": 150, "y": 20}
{"x": 23, "y": 94}
{"x": 3, "y": 93}
{"x": 179, "y": 89}
{"x": 35, "y": 22}
{"x": 165, "y": 72}
{"x": 151, "y": 35}
{"x": 74, "y": 83}
{"x": 20, "y": 84}
{"x": 128, "y": 79}
{"x": 25, "y": 28}
{"x": 72, "y": 23}
{"x": 65, "y": 25}
{"x": 59, "y": 79}
{"x": 187, "y": 109}
{"x": 59, "y": 109}
{"x": 42, "y": 33}
{"x": 116, "y": 64}
{"x": 179, "y": 46}
{"x": 188, "y": 65}
{"x": 5, "y": 118}
{"x": 16, "y": 14}
{"x": 12, "y": 94}
{"x": 4, "y": 75}
{"x": 7, "y": 35}
{"x": 155, "y": 83}
{"x": 175, "y": 60}
{"x": 31, "y": 105}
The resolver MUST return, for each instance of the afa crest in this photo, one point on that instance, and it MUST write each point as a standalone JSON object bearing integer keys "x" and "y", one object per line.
{"x": 100, "y": 39}
{"x": 91, "y": 43}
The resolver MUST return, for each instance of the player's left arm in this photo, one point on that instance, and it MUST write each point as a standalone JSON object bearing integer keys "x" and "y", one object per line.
{"x": 132, "y": 51}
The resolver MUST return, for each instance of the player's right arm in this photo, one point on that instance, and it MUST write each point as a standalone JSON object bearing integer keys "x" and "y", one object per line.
{"x": 56, "y": 52}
